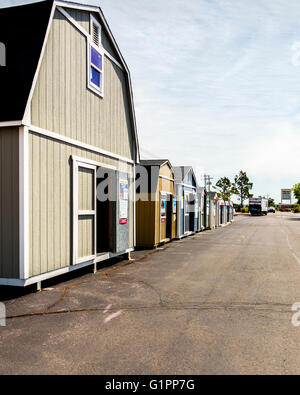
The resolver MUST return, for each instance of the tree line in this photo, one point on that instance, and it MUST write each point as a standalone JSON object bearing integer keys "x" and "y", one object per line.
{"x": 241, "y": 187}
{"x": 296, "y": 191}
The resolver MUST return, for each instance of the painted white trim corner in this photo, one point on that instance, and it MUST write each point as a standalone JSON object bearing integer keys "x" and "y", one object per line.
{"x": 23, "y": 203}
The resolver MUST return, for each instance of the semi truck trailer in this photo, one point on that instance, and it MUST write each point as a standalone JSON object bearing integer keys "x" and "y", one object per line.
{"x": 258, "y": 206}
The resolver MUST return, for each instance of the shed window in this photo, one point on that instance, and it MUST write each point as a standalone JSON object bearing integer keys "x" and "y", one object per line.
{"x": 95, "y": 58}
{"x": 95, "y": 62}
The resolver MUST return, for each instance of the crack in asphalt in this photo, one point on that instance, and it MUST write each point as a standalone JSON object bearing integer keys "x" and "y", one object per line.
{"x": 256, "y": 307}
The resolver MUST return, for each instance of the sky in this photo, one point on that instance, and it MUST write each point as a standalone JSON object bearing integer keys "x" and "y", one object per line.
{"x": 216, "y": 84}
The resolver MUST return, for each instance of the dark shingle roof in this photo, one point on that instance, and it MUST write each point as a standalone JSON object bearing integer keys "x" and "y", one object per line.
{"x": 22, "y": 31}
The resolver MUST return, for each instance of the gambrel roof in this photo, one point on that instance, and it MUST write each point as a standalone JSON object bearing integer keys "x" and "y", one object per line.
{"x": 24, "y": 31}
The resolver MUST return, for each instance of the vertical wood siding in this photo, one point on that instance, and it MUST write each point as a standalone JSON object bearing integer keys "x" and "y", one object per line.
{"x": 148, "y": 224}
{"x": 62, "y": 103}
{"x": 9, "y": 203}
{"x": 86, "y": 189}
{"x": 83, "y": 18}
{"x": 51, "y": 203}
{"x": 85, "y": 236}
{"x": 145, "y": 223}
{"x": 165, "y": 186}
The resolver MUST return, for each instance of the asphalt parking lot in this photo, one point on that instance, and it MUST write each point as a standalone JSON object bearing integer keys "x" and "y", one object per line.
{"x": 219, "y": 302}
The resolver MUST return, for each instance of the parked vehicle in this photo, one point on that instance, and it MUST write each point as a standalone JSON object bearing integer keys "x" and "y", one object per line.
{"x": 271, "y": 210}
{"x": 258, "y": 206}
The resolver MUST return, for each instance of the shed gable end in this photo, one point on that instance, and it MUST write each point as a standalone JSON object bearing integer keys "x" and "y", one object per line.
{"x": 62, "y": 102}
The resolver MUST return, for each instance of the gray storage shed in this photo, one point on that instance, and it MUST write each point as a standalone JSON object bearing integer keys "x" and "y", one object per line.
{"x": 67, "y": 127}
{"x": 186, "y": 192}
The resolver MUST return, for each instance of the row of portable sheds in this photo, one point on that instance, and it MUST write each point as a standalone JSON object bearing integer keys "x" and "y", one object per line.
{"x": 170, "y": 204}
{"x": 70, "y": 154}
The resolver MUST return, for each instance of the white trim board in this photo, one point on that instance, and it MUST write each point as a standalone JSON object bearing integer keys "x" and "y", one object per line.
{"x": 167, "y": 178}
{"x": 76, "y": 143}
{"x": 23, "y": 203}
{"x": 79, "y": 159}
{"x": 187, "y": 186}
{"x": 78, "y": 213}
{"x": 46, "y": 276}
{"x": 10, "y": 123}
{"x": 77, "y": 6}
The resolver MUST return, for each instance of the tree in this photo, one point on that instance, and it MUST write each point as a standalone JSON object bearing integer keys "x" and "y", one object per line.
{"x": 224, "y": 186}
{"x": 296, "y": 190}
{"x": 272, "y": 202}
{"x": 242, "y": 186}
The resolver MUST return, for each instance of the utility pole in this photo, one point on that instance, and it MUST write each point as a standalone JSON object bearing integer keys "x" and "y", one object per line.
{"x": 207, "y": 182}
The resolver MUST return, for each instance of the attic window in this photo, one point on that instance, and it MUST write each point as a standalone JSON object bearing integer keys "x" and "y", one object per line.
{"x": 95, "y": 58}
{"x": 95, "y": 31}
{"x": 95, "y": 69}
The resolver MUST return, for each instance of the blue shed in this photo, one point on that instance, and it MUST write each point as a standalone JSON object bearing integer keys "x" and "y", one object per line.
{"x": 186, "y": 191}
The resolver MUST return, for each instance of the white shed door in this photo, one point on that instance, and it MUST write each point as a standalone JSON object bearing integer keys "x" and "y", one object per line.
{"x": 84, "y": 218}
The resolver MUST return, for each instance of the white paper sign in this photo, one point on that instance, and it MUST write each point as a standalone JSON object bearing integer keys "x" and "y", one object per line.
{"x": 124, "y": 199}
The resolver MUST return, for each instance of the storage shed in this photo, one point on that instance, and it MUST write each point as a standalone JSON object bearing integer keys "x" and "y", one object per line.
{"x": 229, "y": 211}
{"x": 186, "y": 192}
{"x": 201, "y": 208}
{"x": 156, "y": 206}
{"x": 222, "y": 212}
{"x": 68, "y": 143}
{"x": 213, "y": 216}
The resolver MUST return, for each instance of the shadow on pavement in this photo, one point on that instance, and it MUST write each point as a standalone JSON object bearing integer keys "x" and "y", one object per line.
{"x": 8, "y": 292}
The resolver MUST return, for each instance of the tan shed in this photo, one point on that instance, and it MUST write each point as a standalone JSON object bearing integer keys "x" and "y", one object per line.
{"x": 68, "y": 143}
{"x": 156, "y": 206}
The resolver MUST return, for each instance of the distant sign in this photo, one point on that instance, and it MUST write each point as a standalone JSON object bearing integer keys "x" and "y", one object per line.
{"x": 286, "y": 194}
